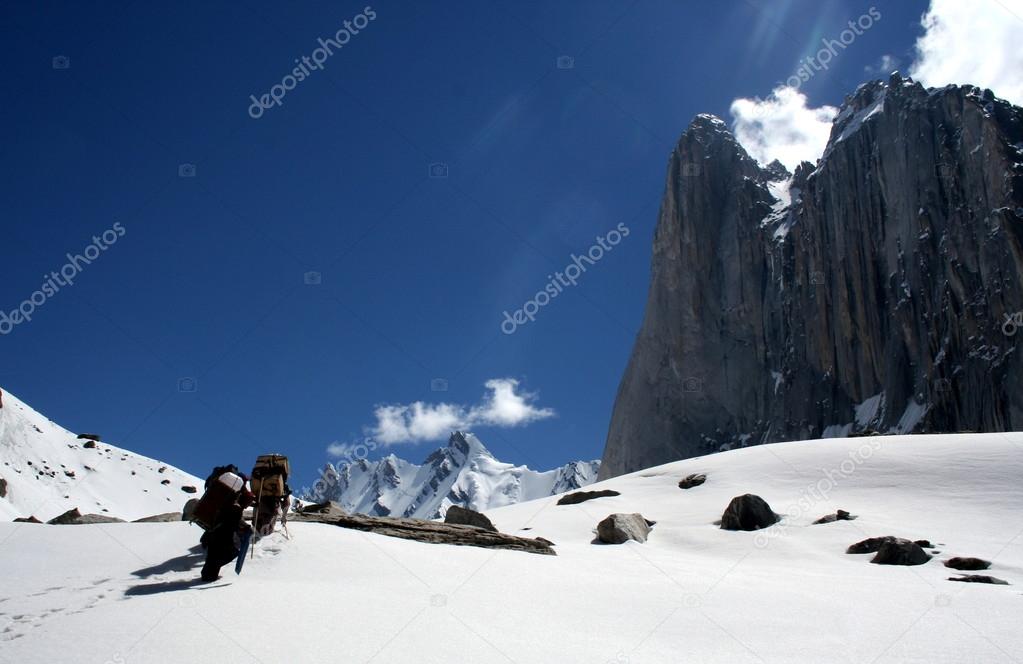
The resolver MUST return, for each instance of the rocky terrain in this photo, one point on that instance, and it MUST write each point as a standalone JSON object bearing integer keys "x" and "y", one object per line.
{"x": 876, "y": 290}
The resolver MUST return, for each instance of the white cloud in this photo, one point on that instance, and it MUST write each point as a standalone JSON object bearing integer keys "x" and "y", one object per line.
{"x": 886, "y": 64}
{"x": 502, "y": 406}
{"x": 972, "y": 42}
{"x": 782, "y": 127}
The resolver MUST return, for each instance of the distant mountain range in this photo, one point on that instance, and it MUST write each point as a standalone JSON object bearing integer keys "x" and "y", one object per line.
{"x": 463, "y": 473}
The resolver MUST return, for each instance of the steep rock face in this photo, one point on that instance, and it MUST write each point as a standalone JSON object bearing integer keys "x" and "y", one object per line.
{"x": 868, "y": 292}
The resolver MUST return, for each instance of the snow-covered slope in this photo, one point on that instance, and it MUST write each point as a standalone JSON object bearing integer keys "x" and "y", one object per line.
{"x": 692, "y": 592}
{"x": 464, "y": 473}
{"x": 48, "y": 471}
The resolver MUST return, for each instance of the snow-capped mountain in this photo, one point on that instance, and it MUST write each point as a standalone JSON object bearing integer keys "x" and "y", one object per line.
{"x": 46, "y": 470}
{"x": 463, "y": 473}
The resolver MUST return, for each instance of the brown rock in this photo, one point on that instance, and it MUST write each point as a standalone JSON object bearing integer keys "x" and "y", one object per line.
{"x": 467, "y": 517}
{"x": 583, "y": 496}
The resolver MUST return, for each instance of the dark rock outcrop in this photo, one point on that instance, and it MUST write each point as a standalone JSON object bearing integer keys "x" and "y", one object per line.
{"x": 65, "y": 518}
{"x": 891, "y": 550}
{"x": 422, "y": 530}
{"x": 3, "y": 488}
{"x": 89, "y": 445}
{"x": 583, "y": 496}
{"x": 689, "y": 481}
{"x": 874, "y": 301}
{"x": 189, "y": 489}
{"x": 620, "y": 528}
{"x": 467, "y": 517}
{"x": 979, "y": 578}
{"x": 75, "y": 518}
{"x": 970, "y": 564}
{"x": 748, "y": 512}
{"x": 94, "y": 437}
{"x": 27, "y": 519}
{"x": 839, "y": 515}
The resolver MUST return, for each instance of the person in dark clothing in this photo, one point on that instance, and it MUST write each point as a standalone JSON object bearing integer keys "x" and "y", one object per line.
{"x": 223, "y": 541}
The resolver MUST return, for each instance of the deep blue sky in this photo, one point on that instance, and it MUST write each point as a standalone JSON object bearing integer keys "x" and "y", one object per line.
{"x": 208, "y": 281}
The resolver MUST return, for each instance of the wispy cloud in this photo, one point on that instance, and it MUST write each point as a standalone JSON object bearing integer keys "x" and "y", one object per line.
{"x": 504, "y": 405}
{"x": 963, "y": 42}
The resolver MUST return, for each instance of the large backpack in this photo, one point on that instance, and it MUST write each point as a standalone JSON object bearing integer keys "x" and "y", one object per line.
{"x": 270, "y": 476}
{"x": 222, "y": 489}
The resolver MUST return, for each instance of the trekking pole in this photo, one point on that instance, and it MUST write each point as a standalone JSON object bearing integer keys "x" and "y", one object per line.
{"x": 255, "y": 519}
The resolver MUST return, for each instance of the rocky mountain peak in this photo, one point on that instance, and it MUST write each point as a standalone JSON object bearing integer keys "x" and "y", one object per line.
{"x": 870, "y": 293}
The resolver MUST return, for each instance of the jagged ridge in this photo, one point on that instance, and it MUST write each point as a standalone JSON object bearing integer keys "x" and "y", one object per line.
{"x": 463, "y": 473}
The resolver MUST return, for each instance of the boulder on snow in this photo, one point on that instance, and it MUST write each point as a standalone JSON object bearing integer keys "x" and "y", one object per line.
{"x": 970, "y": 564}
{"x": 89, "y": 444}
{"x": 620, "y": 528}
{"x": 839, "y": 515}
{"x": 690, "y": 481}
{"x": 467, "y": 517}
{"x": 75, "y": 518}
{"x": 189, "y": 489}
{"x": 979, "y": 578}
{"x": 66, "y": 517}
{"x": 583, "y": 496}
{"x": 3, "y": 488}
{"x": 94, "y": 437}
{"x": 924, "y": 544}
{"x": 189, "y": 509}
{"x": 27, "y": 519}
{"x": 748, "y": 512}
{"x": 167, "y": 517}
{"x": 898, "y": 551}
{"x": 869, "y": 545}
